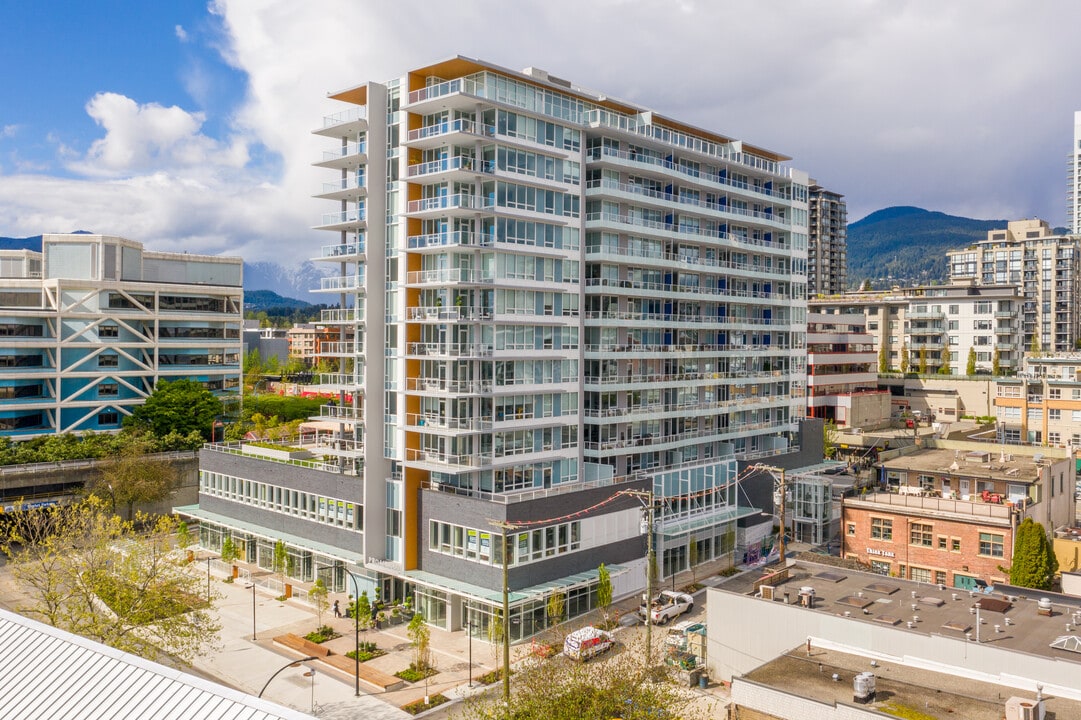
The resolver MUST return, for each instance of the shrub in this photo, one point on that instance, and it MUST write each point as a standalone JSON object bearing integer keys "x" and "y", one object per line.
{"x": 490, "y": 677}
{"x": 418, "y": 706}
{"x": 368, "y": 650}
{"x": 412, "y": 674}
{"x": 324, "y": 633}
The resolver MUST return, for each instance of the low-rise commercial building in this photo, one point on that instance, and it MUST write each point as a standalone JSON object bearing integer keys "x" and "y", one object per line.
{"x": 948, "y": 515}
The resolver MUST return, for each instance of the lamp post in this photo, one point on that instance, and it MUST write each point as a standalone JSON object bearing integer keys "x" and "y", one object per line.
{"x": 356, "y": 624}
{"x": 208, "y": 559}
{"x": 469, "y": 630}
{"x": 311, "y": 674}
{"x": 283, "y": 668}
{"x": 252, "y": 586}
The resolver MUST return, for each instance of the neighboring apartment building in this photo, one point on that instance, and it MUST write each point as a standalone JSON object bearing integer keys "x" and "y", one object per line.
{"x": 306, "y": 340}
{"x": 940, "y": 322}
{"x": 827, "y": 252}
{"x": 842, "y": 371}
{"x": 91, "y": 323}
{"x": 1042, "y": 405}
{"x": 546, "y": 296}
{"x": 1073, "y": 178}
{"x": 1046, "y": 268}
{"x": 947, "y": 515}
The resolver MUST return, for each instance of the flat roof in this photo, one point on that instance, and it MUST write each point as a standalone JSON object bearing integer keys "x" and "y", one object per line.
{"x": 877, "y": 599}
{"x": 986, "y": 462}
{"x": 934, "y": 694}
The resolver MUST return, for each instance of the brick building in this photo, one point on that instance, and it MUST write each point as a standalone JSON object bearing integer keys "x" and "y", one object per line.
{"x": 947, "y": 515}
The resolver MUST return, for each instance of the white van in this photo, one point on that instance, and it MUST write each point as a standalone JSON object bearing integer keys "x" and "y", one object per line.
{"x": 587, "y": 642}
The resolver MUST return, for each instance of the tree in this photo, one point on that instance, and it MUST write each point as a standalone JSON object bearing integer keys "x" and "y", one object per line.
{"x": 133, "y": 476}
{"x": 829, "y": 439}
{"x": 557, "y": 602}
{"x": 883, "y": 361}
{"x": 945, "y": 369}
{"x": 604, "y": 591}
{"x": 363, "y": 608}
{"x": 281, "y": 560}
{"x": 923, "y": 361}
{"x": 904, "y": 357}
{"x": 1034, "y": 562}
{"x": 183, "y": 406}
{"x": 229, "y": 554}
{"x": 87, "y": 571}
{"x": 184, "y": 537}
{"x": 865, "y": 286}
{"x": 996, "y": 363}
{"x": 1034, "y": 348}
{"x": 318, "y": 596}
{"x": 619, "y": 687}
{"x": 970, "y": 366}
{"x": 420, "y": 635}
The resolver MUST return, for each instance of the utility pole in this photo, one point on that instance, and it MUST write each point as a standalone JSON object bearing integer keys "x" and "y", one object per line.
{"x": 504, "y": 526}
{"x": 646, "y": 496}
{"x": 780, "y": 479}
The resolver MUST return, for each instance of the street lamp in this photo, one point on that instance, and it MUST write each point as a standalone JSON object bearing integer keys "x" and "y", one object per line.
{"x": 311, "y": 674}
{"x": 208, "y": 559}
{"x": 356, "y": 623}
{"x": 283, "y": 668}
{"x": 252, "y": 586}
{"x": 469, "y": 630}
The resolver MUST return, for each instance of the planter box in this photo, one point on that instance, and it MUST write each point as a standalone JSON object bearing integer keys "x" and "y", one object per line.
{"x": 284, "y": 454}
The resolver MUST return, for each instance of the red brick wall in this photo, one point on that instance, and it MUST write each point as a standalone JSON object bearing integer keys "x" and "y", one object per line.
{"x": 932, "y": 558}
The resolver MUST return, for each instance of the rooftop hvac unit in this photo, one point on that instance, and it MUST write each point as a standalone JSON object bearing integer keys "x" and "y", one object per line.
{"x": 863, "y": 688}
{"x": 1024, "y": 709}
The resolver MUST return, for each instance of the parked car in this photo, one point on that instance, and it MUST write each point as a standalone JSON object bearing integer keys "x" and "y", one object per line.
{"x": 667, "y": 605}
{"x": 586, "y": 643}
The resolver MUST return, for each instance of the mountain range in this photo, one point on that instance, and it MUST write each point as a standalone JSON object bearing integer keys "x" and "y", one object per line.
{"x": 900, "y": 245}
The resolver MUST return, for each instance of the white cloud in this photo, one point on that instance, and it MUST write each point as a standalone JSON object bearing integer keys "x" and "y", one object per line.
{"x": 181, "y": 33}
{"x": 891, "y": 102}
{"x": 8, "y": 131}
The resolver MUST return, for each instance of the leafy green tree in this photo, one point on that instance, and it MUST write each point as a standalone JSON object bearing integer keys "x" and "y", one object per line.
{"x": 618, "y": 687}
{"x": 318, "y": 596}
{"x": 229, "y": 552}
{"x": 85, "y": 570}
{"x": 1034, "y": 348}
{"x": 923, "y": 361}
{"x": 883, "y": 361}
{"x": 132, "y": 477}
{"x": 363, "y": 606}
{"x": 945, "y": 369}
{"x": 604, "y": 591}
{"x": 183, "y": 406}
{"x": 996, "y": 363}
{"x": 1034, "y": 562}
{"x": 281, "y": 560}
{"x": 420, "y": 635}
{"x": 970, "y": 366}
{"x": 904, "y": 357}
{"x": 829, "y": 439}
{"x": 184, "y": 536}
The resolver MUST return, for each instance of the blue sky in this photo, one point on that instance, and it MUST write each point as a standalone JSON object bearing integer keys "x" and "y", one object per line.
{"x": 115, "y": 121}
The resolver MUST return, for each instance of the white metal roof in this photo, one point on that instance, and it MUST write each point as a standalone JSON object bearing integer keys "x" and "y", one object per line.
{"x": 50, "y": 673}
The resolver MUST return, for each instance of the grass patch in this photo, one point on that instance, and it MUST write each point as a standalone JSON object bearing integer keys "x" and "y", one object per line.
{"x": 491, "y": 677}
{"x": 322, "y": 634}
{"x": 419, "y": 706}
{"x": 904, "y": 711}
{"x": 368, "y": 650}
{"x": 413, "y": 674}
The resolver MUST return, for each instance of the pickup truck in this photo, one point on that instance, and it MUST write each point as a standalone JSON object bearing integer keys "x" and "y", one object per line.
{"x": 667, "y": 605}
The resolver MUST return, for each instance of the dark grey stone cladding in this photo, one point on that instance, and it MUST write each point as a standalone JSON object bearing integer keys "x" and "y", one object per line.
{"x": 476, "y": 513}
{"x": 343, "y": 487}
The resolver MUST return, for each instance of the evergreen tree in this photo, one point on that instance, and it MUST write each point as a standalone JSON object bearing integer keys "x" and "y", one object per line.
{"x": 883, "y": 361}
{"x": 904, "y": 357}
{"x": 604, "y": 591}
{"x": 1034, "y": 349}
{"x": 1034, "y": 562}
{"x": 923, "y": 361}
{"x": 996, "y": 364}
{"x": 970, "y": 366}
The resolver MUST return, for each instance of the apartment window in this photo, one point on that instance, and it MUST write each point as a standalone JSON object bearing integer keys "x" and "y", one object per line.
{"x": 882, "y": 529}
{"x": 1054, "y": 438}
{"x": 880, "y": 567}
{"x": 954, "y": 309}
{"x": 940, "y": 577}
{"x": 1054, "y": 414}
{"x": 109, "y": 418}
{"x": 991, "y": 545}
{"x": 1054, "y": 393}
{"x": 941, "y": 542}
{"x": 921, "y": 534}
{"x": 108, "y": 390}
{"x": 108, "y": 360}
{"x": 851, "y": 530}
{"x": 108, "y": 331}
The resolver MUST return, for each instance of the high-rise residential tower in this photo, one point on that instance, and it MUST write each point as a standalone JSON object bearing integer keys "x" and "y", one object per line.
{"x": 546, "y": 296}
{"x": 827, "y": 254}
{"x": 1073, "y": 179}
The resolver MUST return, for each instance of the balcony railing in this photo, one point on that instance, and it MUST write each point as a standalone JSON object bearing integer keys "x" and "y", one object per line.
{"x": 449, "y": 275}
{"x": 345, "y": 116}
{"x": 353, "y": 215}
{"x": 333, "y": 251}
{"x": 459, "y": 238}
{"x": 346, "y": 150}
{"x": 685, "y": 200}
{"x": 349, "y": 282}
{"x": 686, "y": 229}
{"x": 461, "y": 125}
{"x": 449, "y": 202}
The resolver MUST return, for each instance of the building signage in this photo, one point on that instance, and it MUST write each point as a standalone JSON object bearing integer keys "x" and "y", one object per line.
{"x": 883, "y": 553}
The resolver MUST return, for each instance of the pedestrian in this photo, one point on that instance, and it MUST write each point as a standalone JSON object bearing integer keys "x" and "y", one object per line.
{"x": 337, "y": 610}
